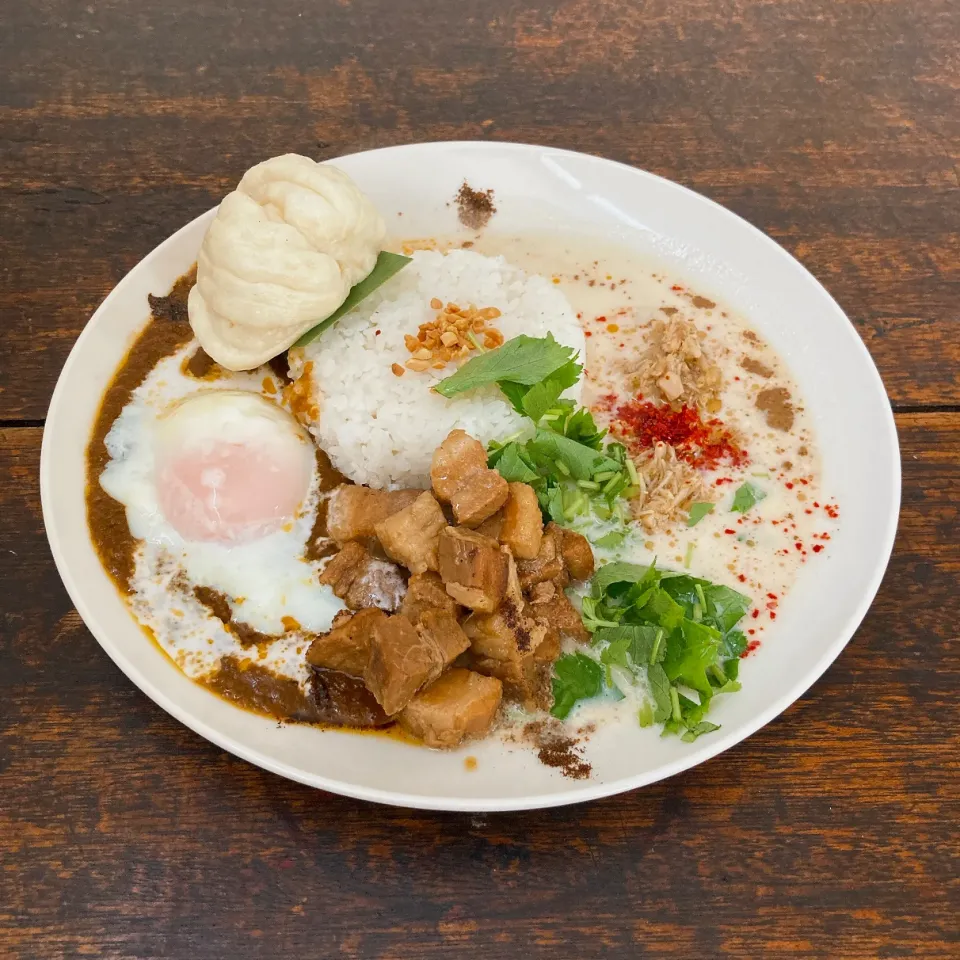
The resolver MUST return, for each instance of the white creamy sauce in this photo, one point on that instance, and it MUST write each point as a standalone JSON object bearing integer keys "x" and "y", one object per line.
{"x": 616, "y": 295}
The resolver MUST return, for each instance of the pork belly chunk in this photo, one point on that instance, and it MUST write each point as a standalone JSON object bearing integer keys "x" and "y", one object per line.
{"x": 343, "y": 700}
{"x": 459, "y": 705}
{"x": 354, "y": 512}
{"x": 403, "y": 658}
{"x": 549, "y": 605}
{"x": 338, "y": 660}
{"x": 361, "y": 581}
{"x": 425, "y": 591}
{"x": 410, "y": 536}
{"x": 346, "y": 646}
{"x": 457, "y": 458}
{"x": 442, "y": 630}
{"x": 576, "y": 552}
{"x": 548, "y": 563}
{"x": 460, "y": 477}
{"x": 522, "y": 527}
{"x": 473, "y": 568}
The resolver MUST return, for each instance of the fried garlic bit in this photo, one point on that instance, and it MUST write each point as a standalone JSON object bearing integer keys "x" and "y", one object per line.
{"x": 452, "y": 335}
{"x": 676, "y": 368}
{"x": 667, "y": 486}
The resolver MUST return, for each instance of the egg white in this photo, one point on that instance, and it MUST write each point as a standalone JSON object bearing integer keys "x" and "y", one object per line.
{"x": 265, "y": 580}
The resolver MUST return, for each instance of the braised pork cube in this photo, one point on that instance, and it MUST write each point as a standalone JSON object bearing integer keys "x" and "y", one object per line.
{"x": 505, "y": 635}
{"x": 354, "y": 512}
{"x": 527, "y": 679}
{"x": 361, "y": 581}
{"x": 473, "y": 568}
{"x": 410, "y": 536}
{"x": 346, "y": 647}
{"x": 492, "y": 526}
{"x": 551, "y": 606}
{"x": 576, "y": 552}
{"x": 522, "y": 529}
{"x": 343, "y": 700}
{"x": 459, "y": 705}
{"x": 480, "y": 496}
{"x": 425, "y": 591}
{"x": 402, "y": 660}
{"x": 548, "y": 564}
{"x": 442, "y": 630}
{"x": 456, "y": 459}
{"x": 460, "y": 477}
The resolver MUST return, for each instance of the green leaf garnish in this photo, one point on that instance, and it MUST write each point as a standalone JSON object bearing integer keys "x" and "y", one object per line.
{"x": 660, "y": 690}
{"x": 576, "y": 677}
{"x": 523, "y": 360}
{"x": 543, "y": 395}
{"x": 677, "y": 631}
{"x": 581, "y": 462}
{"x": 387, "y": 265}
{"x": 697, "y": 512}
{"x": 746, "y": 497}
{"x": 704, "y": 726}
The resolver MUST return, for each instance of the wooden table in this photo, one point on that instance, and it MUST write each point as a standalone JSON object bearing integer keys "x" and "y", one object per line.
{"x": 832, "y": 125}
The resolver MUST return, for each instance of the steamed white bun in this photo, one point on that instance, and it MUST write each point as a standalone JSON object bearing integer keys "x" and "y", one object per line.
{"x": 283, "y": 252}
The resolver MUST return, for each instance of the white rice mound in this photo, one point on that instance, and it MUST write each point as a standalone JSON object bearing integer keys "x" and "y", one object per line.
{"x": 380, "y": 429}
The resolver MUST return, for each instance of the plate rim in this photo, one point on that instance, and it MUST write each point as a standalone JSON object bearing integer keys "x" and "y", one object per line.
{"x": 705, "y": 750}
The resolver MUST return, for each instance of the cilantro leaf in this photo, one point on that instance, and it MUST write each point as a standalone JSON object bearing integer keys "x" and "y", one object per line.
{"x": 620, "y": 572}
{"x": 660, "y": 690}
{"x": 387, "y": 265}
{"x": 521, "y": 360}
{"x": 581, "y": 461}
{"x": 662, "y": 610}
{"x": 697, "y": 512}
{"x": 746, "y": 497}
{"x": 511, "y": 464}
{"x": 514, "y": 392}
{"x": 576, "y": 677}
{"x": 734, "y": 644}
{"x": 636, "y": 642}
{"x": 704, "y": 726}
{"x": 725, "y": 607}
{"x": 542, "y": 396}
{"x": 579, "y": 425}
{"x": 610, "y": 540}
{"x": 690, "y": 650}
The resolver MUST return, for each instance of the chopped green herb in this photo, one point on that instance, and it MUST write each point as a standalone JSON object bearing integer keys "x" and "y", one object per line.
{"x": 538, "y": 400}
{"x": 611, "y": 540}
{"x": 387, "y": 265}
{"x": 522, "y": 361}
{"x": 704, "y": 726}
{"x": 677, "y": 630}
{"x": 697, "y": 512}
{"x": 660, "y": 689}
{"x": 576, "y": 677}
{"x": 746, "y": 497}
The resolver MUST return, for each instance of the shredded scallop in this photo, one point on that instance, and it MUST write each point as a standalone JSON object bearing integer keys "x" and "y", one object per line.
{"x": 668, "y": 485}
{"x": 676, "y": 369}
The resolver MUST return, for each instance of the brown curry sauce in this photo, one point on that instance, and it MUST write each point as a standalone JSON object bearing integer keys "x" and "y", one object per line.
{"x": 240, "y": 681}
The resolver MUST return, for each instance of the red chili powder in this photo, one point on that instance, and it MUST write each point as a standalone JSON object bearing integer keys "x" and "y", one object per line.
{"x": 701, "y": 443}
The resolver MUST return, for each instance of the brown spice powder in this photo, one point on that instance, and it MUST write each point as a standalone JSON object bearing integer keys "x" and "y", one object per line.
{"x": 775, "y": 403}
{"x": 474, "y": 207}
{"x": 558, "y": 750}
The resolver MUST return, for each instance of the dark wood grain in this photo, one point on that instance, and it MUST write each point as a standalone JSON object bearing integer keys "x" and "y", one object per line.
{"x": 831, "y": 125}
{"x": 834, "y": 125}
{"x": 830, "y": 833}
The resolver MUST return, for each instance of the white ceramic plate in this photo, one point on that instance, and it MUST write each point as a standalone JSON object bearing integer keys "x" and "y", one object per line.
{"x": 537, "y": 189}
